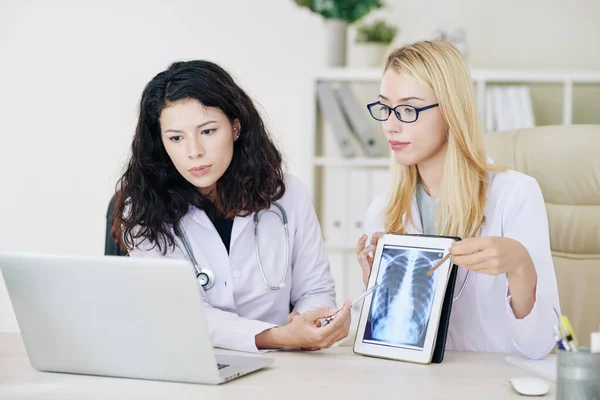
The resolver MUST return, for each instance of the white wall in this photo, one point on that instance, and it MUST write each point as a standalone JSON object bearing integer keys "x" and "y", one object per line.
{"x": 71, "y": 74}
{"x": 510, "y": 33}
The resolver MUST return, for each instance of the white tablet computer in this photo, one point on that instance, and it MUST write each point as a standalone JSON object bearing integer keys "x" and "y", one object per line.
{"x": 400, "y": 319}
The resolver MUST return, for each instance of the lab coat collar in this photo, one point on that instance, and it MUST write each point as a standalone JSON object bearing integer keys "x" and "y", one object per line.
{"x": 239, "y": 223}
{"x": 200, "y": 217}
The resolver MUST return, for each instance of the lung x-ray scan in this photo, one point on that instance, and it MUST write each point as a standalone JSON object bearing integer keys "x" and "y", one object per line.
{"x": 402, "y": 303}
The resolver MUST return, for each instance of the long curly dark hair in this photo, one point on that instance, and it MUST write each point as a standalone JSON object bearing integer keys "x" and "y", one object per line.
{"x": 152, "y": 196}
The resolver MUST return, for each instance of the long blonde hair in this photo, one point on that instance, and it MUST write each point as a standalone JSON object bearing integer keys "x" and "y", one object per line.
{"x": 438, "y": 66}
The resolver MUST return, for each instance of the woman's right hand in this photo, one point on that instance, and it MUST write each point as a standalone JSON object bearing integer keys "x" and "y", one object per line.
{"x": 364, "y": 254}
{"x": 305, "y": 331}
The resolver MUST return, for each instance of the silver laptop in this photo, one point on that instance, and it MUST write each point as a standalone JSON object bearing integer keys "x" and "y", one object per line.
{"x": 116, "y": 316}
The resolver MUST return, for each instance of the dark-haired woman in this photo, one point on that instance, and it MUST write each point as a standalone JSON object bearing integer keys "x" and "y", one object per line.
{"x": 205, "y": 182}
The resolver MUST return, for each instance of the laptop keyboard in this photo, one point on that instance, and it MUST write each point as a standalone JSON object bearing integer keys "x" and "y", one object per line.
{"x": 221, "y": 366}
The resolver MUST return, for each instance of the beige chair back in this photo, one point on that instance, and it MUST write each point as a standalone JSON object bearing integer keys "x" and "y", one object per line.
{"x": 565, "y": 160}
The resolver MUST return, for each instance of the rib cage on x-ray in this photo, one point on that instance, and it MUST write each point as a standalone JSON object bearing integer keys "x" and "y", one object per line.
{"x": 403, "y": 300}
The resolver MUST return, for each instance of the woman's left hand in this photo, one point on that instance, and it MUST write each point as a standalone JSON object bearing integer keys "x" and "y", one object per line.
{"x": 290, "y": 318}
{"x": 491, "y": 255}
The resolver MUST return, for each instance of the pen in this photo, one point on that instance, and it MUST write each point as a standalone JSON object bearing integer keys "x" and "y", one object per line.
{"x": 354, "y": 302}
{"x": 365, "y": 294}
{"x": 569, "y": 333}
{"x": 560, "y": 340}
{"x": 567, "y": 325}
{"x": 559, "y": 343}
{"x": 436, "y": 266}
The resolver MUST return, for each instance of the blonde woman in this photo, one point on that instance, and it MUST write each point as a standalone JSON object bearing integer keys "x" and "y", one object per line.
{"x": 506, "y": 297}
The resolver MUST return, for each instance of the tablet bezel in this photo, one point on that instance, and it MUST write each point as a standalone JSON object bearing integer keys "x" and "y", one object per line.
{"x": 424, "y": 356}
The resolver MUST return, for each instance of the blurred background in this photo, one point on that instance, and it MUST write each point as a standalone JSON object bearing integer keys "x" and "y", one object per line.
{"x": 72, "y": 72}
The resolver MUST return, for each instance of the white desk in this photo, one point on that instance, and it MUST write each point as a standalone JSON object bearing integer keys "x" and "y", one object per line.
{"x": 327, "y": 374}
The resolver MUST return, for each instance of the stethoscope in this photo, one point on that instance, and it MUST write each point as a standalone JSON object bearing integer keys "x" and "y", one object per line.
{"x": 462, "y": 287}
{"x": 206, "y": 276}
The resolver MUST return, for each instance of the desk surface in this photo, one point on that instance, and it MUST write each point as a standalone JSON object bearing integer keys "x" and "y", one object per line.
{"x": 335, "y": 373}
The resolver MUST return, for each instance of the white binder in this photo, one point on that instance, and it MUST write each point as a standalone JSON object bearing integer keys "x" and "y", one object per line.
{"x": 358, "y": 201}
{"x": 360, "y": 121}
{"x": 335, "y": 210}
{"x": 335, "y": 117}
{"x": 379, "y": 182}
{"x": 528, "y": 117}
{"x": 490, "y": 121}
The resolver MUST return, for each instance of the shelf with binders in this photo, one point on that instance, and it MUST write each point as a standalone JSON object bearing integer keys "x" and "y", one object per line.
{"x": 351, "y": 166}
{"x": 508, "y": 99}
{"x": 565, "y": 104}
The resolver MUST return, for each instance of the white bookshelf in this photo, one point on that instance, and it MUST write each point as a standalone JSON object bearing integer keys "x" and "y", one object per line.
{"x": 483, "y": 77}
{"x": 344, "y": 172}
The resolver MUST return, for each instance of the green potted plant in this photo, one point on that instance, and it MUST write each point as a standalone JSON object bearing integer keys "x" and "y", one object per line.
{"x": 372, "y": 43}
{"x": 338, "y": 14}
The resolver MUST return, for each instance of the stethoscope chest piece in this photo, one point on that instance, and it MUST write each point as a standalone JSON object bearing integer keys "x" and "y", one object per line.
{"x": 206, "y": 278}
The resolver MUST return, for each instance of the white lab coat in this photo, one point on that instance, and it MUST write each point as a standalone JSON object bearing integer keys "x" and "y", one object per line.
{"x": 482, "y": 318}
{"x": 240, "y": 305}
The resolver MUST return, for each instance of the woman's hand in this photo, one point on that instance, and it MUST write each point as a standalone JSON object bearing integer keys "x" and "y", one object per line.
{"x": 493, "y": 255}
{"x": 291, "y": 316}
{"x": 288, "y": 320}
{"x": 365, "y": 255}
{"x": 304, "y": 331}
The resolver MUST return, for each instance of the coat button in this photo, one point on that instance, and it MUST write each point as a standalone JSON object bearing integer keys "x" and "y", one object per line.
{"x": 236, "y": 274}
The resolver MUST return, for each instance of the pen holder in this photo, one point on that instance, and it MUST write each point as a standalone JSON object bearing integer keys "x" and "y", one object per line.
{"x": 578, "y": 375}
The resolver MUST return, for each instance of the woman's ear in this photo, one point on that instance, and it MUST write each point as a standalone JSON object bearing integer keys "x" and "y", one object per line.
{"x": 236, "y": 129}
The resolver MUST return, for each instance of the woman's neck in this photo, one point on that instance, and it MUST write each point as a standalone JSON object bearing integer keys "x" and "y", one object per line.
{"x": 209, "y": 192}
{"x": 431, "y": 173}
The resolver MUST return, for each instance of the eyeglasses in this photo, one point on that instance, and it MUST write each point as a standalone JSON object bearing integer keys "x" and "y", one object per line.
{"x": 404, "y": 113}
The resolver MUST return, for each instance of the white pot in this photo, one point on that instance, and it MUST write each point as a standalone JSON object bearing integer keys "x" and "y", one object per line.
{"x": 335, "y": 42}
{"x": 369, "y": 55}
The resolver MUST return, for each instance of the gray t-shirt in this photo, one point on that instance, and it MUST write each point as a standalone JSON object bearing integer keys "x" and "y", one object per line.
{"x": 427, "y": 210}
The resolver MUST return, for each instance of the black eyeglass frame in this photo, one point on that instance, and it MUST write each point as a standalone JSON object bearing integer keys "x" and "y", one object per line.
{"x": 397, "y": 114}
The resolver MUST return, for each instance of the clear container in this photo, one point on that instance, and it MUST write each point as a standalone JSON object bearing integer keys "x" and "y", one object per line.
{"x": 578, "y": 375}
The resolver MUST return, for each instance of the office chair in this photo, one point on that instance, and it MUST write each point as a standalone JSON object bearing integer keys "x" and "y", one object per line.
{"x": 111, "y": 248}
{"x": 564, "y": 160}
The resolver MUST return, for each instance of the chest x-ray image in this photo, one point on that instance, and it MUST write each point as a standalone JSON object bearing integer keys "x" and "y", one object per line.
{"x": 402, "y": 303}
